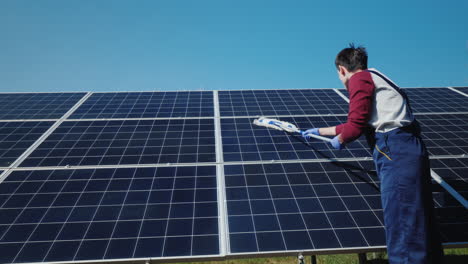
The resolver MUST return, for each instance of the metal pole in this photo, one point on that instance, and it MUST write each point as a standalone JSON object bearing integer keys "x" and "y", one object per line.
{"x": 362, "y": 258}
{"x": 313, "y": 259}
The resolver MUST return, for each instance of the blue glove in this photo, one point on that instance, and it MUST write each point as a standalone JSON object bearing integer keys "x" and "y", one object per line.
{"x": 314, "y": 131}
{"x": 336, "y": 143}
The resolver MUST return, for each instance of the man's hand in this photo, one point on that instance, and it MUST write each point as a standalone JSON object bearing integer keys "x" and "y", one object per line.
{"x": 312, "y": 131}
{"x": 336, "y": 143}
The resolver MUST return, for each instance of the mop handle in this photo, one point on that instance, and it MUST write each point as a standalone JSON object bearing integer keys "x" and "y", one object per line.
{"x": 316, "y": 136}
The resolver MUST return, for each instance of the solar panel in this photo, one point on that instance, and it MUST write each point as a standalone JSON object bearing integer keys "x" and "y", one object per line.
{"x": 445, "y": 134}
{"x": 315, "y": 206}
{"x": 36, "y": 105}
{"x": 429, "y": 100}
{"x": 281, "y": 102}
{"x": 91, "y": 214}
{"x": 298, "y": 206}
{"x": 146, "y": 105}
{"x": 16, "y": 137}
{"x": 243, "y": 141}
{"x": 127, "y": 142}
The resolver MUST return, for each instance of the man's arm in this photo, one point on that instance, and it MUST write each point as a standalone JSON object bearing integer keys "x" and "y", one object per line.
{"x": 361, "y": 91}
{"x": 328, "y": 131}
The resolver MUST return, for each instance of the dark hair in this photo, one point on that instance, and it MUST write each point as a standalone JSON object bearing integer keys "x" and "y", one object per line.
{"x": 352, "y": 58}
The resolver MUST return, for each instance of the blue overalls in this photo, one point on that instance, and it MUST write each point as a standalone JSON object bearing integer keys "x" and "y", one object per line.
{"x": 402, "y": 165}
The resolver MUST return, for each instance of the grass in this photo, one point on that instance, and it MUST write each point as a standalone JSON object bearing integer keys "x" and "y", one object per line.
{"x": 452, "y": 256}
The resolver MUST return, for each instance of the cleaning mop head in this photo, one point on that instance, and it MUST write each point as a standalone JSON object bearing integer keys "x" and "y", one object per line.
{"x": 285, "y": 126}
{"x": 276, "y": 124}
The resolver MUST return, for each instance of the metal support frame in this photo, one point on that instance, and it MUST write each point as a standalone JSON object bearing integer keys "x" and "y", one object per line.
{"x": 455, "y": 90}
{"x": 223, "y": 227}
{"x": 449, "y": 189}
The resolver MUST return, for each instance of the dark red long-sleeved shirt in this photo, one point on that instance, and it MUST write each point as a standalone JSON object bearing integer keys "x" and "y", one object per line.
{"x": 361, "y": 91}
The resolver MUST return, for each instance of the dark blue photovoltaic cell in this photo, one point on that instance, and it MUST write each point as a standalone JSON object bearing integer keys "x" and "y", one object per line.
{"x": 314, "y": 206}
{"x": 445, "y": 134}
{"x": 127, "y": 142}
{"x": 244, "y": 141}
{"x": 16, "y": 137}
{"x": 281, "y": 102}
{"x": 462, "y": 89}
{"x": 36, "y": 105}
{"x": 90, "y": 214}
{"x": 147, "y": 104}
{"x": 429, "y": 100}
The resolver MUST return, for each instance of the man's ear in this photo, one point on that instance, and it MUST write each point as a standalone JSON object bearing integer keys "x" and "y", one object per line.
{"x": 343, "y": 71}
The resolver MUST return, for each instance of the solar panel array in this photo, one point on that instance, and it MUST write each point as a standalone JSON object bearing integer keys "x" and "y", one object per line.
{"x": 156, "y": 175}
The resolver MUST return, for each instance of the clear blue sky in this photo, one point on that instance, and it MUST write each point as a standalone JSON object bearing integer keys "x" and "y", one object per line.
{"x": 115, "y": 45}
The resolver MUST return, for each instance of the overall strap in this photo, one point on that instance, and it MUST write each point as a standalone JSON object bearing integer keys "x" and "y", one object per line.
{"x": 414, "y": 126}
{"x": 394, "y": 86}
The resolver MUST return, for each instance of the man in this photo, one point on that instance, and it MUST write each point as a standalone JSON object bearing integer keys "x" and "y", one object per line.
{"x": 381, "y": 110}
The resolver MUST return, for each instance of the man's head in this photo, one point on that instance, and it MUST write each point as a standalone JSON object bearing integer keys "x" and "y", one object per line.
{"x": 349, "y": 61}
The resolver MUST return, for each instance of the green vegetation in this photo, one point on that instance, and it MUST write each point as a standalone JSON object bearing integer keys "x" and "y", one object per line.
{"x": 452, "y": 256}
